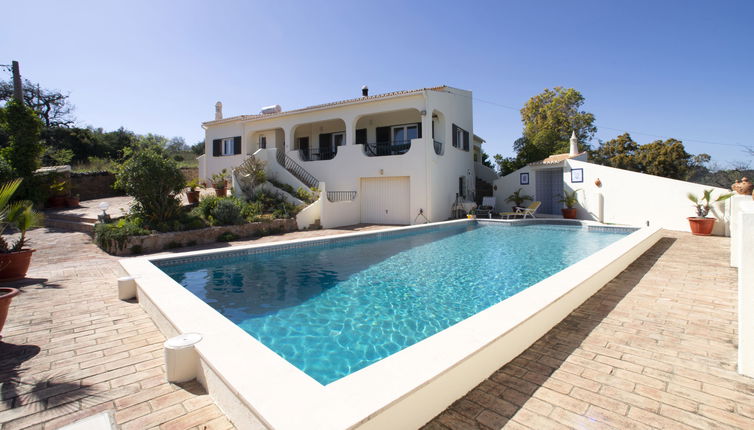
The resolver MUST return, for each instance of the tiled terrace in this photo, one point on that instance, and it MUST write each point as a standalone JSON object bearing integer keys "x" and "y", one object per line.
{"x": 655, "y": 348}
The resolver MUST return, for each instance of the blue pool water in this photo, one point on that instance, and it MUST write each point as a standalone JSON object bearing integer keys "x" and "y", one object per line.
{"x": 332, "y": 310}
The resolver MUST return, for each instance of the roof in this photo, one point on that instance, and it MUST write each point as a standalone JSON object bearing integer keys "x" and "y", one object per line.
{"x": 555, "y": 159}
{"x": 324, "y": 105}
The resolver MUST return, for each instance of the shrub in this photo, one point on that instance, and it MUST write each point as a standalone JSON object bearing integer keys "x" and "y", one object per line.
{"x": 7, "y": 173}
{"x": 23, "y": 127}
{"x": 56, "y": 157}
{"x": 227, "y": 212}
{"x": 153, "y": 180}
{"x": 251, "y": 211}
{"x": 304, "y": 195}
{"x": 113, "y": 237}
{"x": 226, "y": 237}
{"x": 285, "y": 187}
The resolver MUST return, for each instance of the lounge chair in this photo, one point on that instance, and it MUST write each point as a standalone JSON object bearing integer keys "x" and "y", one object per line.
{"x": 486, "y": 208}
{"x": 524, "y": 212}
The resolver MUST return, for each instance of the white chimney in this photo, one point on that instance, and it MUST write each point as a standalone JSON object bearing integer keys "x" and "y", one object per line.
{"x": 574, "y": 145}
{"x": 218, "y": 111}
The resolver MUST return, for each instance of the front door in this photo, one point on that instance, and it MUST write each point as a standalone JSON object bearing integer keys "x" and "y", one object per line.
{"x": 549, "y": 186}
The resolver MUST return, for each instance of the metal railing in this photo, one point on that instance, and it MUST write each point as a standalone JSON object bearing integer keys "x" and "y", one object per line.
{"x": 438, "y": 147}
{"x": 316, "y": 154}
{"x": 380, "y": 149}
{"x": 296, "y": 170}
{"x": 341, "y": 196}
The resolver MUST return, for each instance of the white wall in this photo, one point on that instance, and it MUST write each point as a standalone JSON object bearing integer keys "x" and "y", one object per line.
{"x": 742, "y": 236}
{"x": 433, "y": 178}
{"x": 628, "y": 197}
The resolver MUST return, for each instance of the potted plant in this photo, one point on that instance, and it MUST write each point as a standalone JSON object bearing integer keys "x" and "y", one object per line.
{"x": 471, "y": 214}
{"x": 59, "y": 193}
{"x": 15, "y": 258}
{"x": 6, "y": 295}
{"x": 219, "y": 182}
{"x": 700, "y": 224}
{"x": 192, "y": 194}
{"x": 517, "y": 199}
{"x": 570, "y": 200}
{"x": 72, "y": 201}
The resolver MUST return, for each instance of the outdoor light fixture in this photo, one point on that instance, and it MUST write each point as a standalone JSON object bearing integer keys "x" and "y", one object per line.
{"x": 424, "y": 113}
{"x": 104, "y": 218}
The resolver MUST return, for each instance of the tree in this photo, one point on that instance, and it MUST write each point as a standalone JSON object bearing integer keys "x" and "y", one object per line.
{"x": 198, "y": 148}
{"x": 177, "y": 144}
{"x": 664, "y": 158}
{"x": 485, "y": 159}
{"x": 153, "y": 180}
{"x": 22, "y": 126}
{"x": 619, "y": 153}
{"x": 549, "y": 119}
{"x": 52, "y": 106}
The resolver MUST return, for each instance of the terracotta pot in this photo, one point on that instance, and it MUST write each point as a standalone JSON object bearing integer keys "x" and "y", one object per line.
{"x": 56, "y": 202}
{"x": 221, "y": 192}
{"x": 569, "y": 213}
{"x": 701, "y": 226}
{"x": 72, "y": 202}
{"x": 14, "y": 265}
{"x": 6, "y": 295}
{"x": 192, "y": 196}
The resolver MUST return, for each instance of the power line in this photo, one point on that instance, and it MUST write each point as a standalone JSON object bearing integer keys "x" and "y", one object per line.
{"x": 707, "y": 142}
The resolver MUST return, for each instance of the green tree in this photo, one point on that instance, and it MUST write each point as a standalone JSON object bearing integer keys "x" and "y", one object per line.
{"x": 153, "y": 180}
{"x": 549, "y": 119}
{"x": 619, "y": 153}
{"x": 664, "y": 158}
{"x": 22, "y": 126}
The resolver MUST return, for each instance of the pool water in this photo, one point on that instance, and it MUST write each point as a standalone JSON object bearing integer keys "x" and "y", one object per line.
{"x": 332, "y": 310}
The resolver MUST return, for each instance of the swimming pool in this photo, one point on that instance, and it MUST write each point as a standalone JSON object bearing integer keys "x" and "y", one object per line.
{"x": 257, "y": 388}
{"x": 333, "y": 309}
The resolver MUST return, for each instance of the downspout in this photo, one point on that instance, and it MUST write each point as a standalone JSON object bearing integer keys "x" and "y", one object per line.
{"x": 427, "y": 161}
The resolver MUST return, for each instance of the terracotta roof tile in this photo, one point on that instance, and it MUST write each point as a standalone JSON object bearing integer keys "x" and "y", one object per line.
{"x": 555, "y": 159}
{"x": 323, "y": 105}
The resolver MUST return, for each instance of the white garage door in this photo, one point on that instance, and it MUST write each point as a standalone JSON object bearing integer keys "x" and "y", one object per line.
{"x": 385, "y": 200}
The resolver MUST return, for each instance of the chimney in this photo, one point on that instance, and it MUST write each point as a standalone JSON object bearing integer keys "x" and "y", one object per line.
{"x": 365, "y": 91}
{"x": 574, "y": 145}
{"x": 218, "y": 111}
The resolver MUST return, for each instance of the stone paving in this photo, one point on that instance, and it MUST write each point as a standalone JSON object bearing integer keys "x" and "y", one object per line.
{"x": 655, "y": 348}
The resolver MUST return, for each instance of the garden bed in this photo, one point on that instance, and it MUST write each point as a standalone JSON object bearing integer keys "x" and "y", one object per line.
{"x": 158, "y": 242}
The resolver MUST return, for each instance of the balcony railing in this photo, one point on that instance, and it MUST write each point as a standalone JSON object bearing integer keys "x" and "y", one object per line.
{"x": 341, "y": 196}
{"x": 438, "y": 147}
{"x": 380, "y": 149}
{"x": 316, "y": 154}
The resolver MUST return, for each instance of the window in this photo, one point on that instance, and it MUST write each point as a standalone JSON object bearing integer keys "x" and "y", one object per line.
{"x": 262, "y": 142}
{"x": 462, "y": 186}
{"x": 226, "y": 146}
{"x": 404, "y": 133}
{"x": 339, "y": 139}
{"x": 460, "y": 138}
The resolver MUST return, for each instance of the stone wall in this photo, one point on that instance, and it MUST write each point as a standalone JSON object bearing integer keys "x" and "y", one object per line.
{"x": 93, "y": 185}
{"x": 159, "y": 242}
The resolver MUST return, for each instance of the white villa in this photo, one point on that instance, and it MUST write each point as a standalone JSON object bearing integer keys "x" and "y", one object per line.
{"x": 405, "y": 157}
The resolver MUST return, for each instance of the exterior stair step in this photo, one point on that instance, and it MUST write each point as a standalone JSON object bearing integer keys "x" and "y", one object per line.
{"x": 65, "y": 224}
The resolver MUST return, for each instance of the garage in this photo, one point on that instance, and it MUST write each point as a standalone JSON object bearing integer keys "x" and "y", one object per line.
{"x": 385, "y": 200}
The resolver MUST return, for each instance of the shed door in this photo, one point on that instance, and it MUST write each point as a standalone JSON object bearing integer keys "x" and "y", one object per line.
{"x": 385, "y": 200}
{"x": 549, "y": 185}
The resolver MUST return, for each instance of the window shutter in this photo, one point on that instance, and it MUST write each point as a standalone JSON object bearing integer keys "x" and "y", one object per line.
{"x": 217, "y": 147}
{"x": 455, "y": 136}
{"x": 361, "y": 136}
{"x": 465, "y": 140}
{"x": 237, "y": 145}
{"x": 419, "y": 131}
{"x": 383, "y": 134}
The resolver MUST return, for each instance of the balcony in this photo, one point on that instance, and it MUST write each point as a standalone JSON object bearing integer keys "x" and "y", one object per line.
{"x": 317, "y": 154}
{"x": 381, "y": 149}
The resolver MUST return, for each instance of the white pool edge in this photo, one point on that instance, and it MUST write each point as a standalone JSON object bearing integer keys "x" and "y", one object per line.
{"x": 256, "y": 388}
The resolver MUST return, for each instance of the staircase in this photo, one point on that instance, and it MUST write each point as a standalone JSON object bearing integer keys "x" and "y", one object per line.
{"x": 69, "y": 222}
{"x": 296, "y": 170}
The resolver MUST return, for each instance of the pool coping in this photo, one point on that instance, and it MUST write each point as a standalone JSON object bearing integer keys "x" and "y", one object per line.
{"x": 257, "y": 388}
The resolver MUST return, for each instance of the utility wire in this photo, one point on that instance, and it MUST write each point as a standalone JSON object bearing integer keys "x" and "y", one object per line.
{"x": 616, "y": 129}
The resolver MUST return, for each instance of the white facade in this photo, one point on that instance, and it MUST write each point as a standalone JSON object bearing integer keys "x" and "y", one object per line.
{"x": 611, "y": 195}
{"x": 399, "y": 144}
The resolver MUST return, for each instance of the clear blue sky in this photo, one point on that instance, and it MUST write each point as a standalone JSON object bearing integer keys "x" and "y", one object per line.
{"x": 681, "y": 69}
